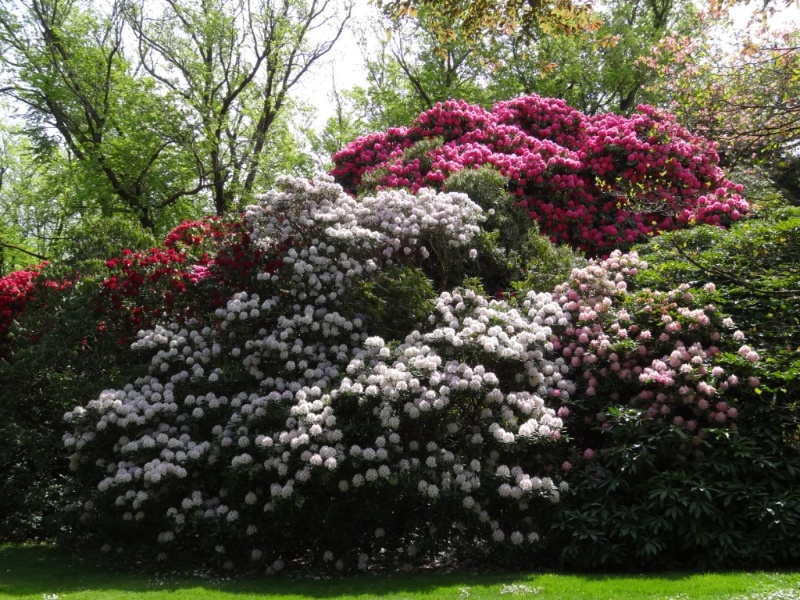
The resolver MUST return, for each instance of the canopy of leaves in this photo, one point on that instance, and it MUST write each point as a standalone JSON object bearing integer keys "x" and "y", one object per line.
{"x": 162, "y": 108}
{"x": 744, "y": 94}
{"x": 489, "y": 17}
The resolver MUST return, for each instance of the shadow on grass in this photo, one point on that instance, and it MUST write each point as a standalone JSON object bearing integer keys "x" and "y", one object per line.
{"x": 37, "y": 572}
{"x": 40, "y": 571}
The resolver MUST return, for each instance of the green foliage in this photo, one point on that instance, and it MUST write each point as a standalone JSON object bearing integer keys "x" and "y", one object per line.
{"x": 487, "y": 188}
{"x": 31, "y": 201}
{"x": 755, "y": 268}
{"x": 489, "y": 18}
{"x": 182, "y": 115}
{"x": 513, "y": 254}
{"x": 602, "y": 69}
{"x": 731, "y": 499}
{"x": 59, "y": 357}
{"x": 409, "y": 72}
{"x": 64, "y": 63}
{"x": 543, "y": 264}
{"x": 787, "y": 175}
{"x": 96, "y": 240}
{"x": 768, "y": 187}
{"x": 397, "y": 301}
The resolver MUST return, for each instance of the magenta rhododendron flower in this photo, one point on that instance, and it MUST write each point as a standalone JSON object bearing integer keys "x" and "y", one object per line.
{"x": 597, "y": 182}
{"x": 15, "y": 289}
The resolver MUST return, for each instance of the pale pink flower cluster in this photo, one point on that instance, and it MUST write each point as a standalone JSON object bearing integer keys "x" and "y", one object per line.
{"x": 661, "y": 357}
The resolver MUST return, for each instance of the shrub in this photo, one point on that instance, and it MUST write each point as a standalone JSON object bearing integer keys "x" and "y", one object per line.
{"x": 284, "y": 416}
{"x": 754, "y": 268}
{"x": 92, "y": 241}
{"x": 53, "y": 356}
{"x": 597, "y": 183}
{"x": 65, "y": 331}
{"x": 325, "y": 356}
{"x": 723, "y": 493}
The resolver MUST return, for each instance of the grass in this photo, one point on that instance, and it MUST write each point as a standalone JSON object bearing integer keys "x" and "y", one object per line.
{"x": 43, "y": 573}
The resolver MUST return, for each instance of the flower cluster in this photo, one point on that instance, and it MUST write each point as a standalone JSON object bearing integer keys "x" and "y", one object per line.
{"x": 15, "y": 289}
{"x": 199, "y": 265}
{"x": 597, "y": 183}
{"x": 285, "y": 399}
{"x": 19, "y": 289}
{"x": 653, "y": 351}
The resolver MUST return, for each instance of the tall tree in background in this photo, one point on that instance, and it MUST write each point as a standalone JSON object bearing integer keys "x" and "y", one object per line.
{"x": 409, "y": 71}
{"x": 231, "y": 65}
{"x": 66, "y": 64}
{"x": 478, "y": 19}
{"x": 598, "y": 70}
{"x": 32, "y": 211}
{"x": 595, "y": 70}
{"x": 161, "y": 111}
{"x": 742, "y": 92}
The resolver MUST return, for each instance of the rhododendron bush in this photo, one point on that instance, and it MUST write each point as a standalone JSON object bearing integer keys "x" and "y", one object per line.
{"x": 298, "y": 422}
{"x": 200, "y": 264}
{"x": 688, "y": 433}
{"x": 598, "y": 183}
{"x": 650, "y": 349}
{"x": 282, "y": 417}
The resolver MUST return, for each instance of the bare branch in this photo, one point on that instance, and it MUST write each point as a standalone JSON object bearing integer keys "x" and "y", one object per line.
{"x": 23, "y": 250}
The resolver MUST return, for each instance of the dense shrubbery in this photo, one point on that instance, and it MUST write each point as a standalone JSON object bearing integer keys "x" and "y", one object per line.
{"x": 758, "y": 282}
{"x": 341, "y": 375}
{"x": 718, "y": 486}
{"x": 341, "y": 383}
{"x": 65, "y": 332}
{"x": 285, "y": 415}
{"x": 597, "y": 183}
{"x": 732, "y": 496}
{"x": 755, "y": 268}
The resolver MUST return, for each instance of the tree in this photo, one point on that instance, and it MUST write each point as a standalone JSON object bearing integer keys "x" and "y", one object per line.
{"x": 231, "y": 66}
{"x": 66, "y": 64}
{"x": 599, "y": 70}
{"x": 340, "y": 128}
{"x": 746, "y": 97}
{"x": 595, "y": 71}
{"x": 481, "y": 18}
{"x": 32, "y": 211}
{"x": 407, "y": 72}
{"x": 477, "y": 19}
{"x": 175, "y": 119}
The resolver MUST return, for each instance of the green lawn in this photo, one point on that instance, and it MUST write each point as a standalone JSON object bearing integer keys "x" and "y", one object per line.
{"x": 39, "y": 573}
